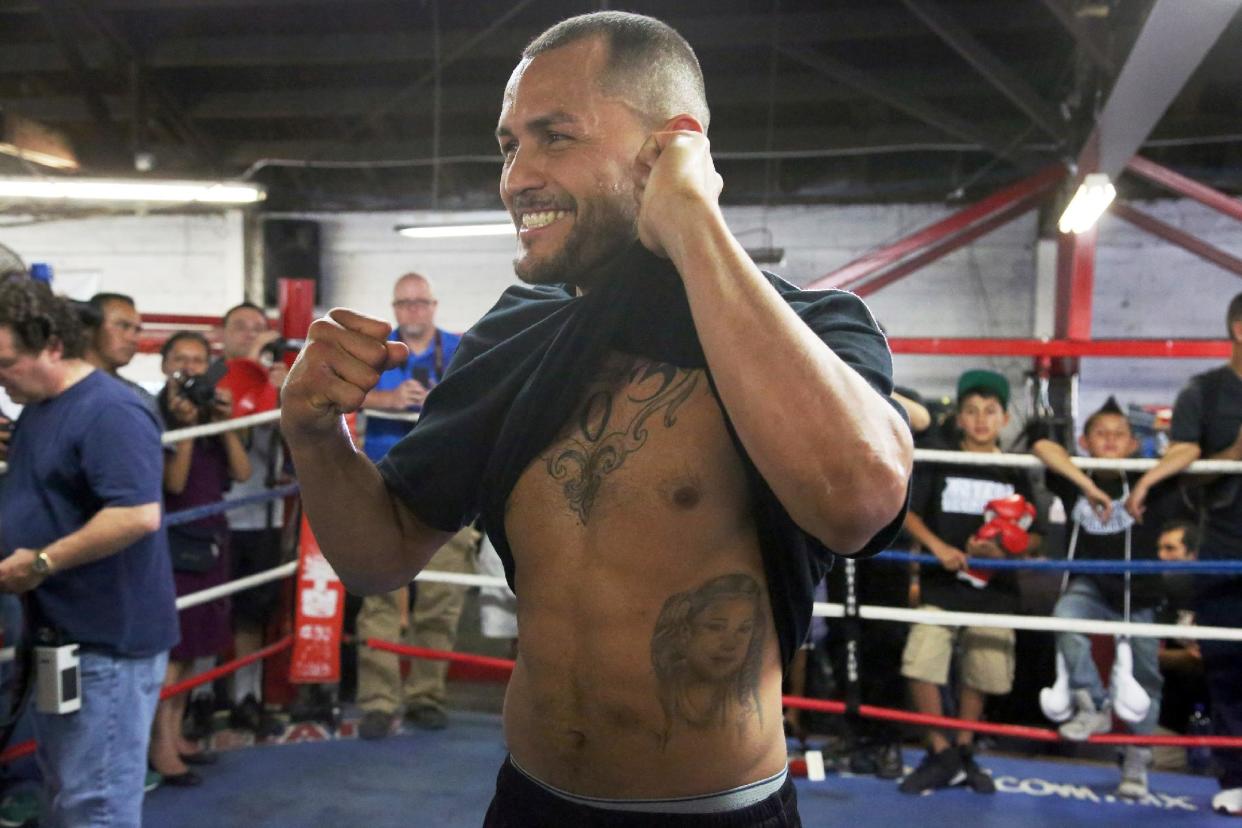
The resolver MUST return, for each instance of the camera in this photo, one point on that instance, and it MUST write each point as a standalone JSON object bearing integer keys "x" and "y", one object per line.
{"x": 201, "y": 389}
{"x": 275, "y": 350}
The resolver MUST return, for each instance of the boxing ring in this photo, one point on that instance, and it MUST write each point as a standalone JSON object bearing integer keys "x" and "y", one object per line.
{"x": 316, "y": 774}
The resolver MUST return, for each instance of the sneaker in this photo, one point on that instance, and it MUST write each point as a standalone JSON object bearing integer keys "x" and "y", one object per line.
{"x": 375, "y": 724}
{"x": 937, "y": 770}
{"x": 1228, "y": 802}
{"x": 152, "y": 781}
{"x": 425, "y": 717}
{"x": 1087, "y": 720}
{"x": 1135, "y": 761}
{"x": 888, "y": 761}
{"x": 19, "y": 809}
{"x": 250, "y": 715}
{"x": 977, "y": 779}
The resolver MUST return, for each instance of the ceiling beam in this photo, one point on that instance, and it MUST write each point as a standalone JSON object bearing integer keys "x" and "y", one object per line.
{"x": 1087, "y": 42}
{"x": 723, "y": 32}
{"x": 87, "y": 81}
{"x": 899, "y": 99}
{"x": 1175, "y": 235}
{"x": 996, "y": 72}
{"x": 1170, "y": 47}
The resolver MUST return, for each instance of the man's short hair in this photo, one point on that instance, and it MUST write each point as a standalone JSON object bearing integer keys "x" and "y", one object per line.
{"x": 181, "y": 336}
{"x": 224, "y": 320}
{"x": 1110, "y": 408}
{"x": 649, "y": 63}
{"x": 92, "y": 314}
{"x": 1190, "y": 533}
{"x": 39, "y": 318}
{"x": 1234, "y": 314}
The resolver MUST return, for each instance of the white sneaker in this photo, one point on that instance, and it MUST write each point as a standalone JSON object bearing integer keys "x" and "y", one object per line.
{"x": 1228, "y": 802}
{"x": 1087, "y": 719}
{"x": 1135, "y": 761}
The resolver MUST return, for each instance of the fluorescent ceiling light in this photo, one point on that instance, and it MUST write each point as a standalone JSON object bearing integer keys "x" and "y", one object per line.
{"x": 455, "y": 231}
{"x": 119, "y": 189}
{"x": 1093, "y": 197}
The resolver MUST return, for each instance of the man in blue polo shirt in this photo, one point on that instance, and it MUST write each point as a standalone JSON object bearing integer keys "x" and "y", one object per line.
{"x": 403, "y": 389}
{"x": 80, "y": 536}
{"x": 437, "y": 607}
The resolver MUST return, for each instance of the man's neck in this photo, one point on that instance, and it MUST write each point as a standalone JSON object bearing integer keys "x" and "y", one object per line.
{"x": 419, "y": 344}
{"x": 979, "y": 448}
{"x": 97, "y": 361}
{"x": 73, "y": 371}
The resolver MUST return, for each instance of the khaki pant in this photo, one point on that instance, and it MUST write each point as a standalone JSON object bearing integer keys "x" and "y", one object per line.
{"x": 433, "y": 624}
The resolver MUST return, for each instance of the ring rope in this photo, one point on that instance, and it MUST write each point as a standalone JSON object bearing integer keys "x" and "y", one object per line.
{"x": 1079, "y": 566}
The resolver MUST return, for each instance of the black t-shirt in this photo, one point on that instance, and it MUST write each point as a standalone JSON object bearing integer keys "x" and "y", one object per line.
{"x": 951, "y": 500}
{"x": 1100, "y": 540}
{"x": 1216, "y": 394}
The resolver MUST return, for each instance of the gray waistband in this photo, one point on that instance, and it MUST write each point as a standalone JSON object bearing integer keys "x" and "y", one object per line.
{"x": 732, "y": 800}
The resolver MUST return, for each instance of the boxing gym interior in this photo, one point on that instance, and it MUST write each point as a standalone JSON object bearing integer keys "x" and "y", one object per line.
{"x": 1039, "y": 202}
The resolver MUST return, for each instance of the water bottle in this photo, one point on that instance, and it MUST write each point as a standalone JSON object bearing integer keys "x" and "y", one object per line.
{"x": 1198, "y": 756}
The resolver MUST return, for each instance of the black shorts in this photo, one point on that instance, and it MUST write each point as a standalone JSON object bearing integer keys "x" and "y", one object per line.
{"x": 521, "y": 803}
{"x": 254, "y": 550}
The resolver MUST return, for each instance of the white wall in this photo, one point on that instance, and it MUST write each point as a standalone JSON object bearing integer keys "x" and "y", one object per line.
{"x": 1144, "y": 287}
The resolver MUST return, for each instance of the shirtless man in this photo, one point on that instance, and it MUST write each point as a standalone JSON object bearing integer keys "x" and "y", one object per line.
{"x": 647, "y": 544}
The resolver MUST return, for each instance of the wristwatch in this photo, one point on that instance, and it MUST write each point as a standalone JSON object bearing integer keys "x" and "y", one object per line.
{"x": 42, "y": 565}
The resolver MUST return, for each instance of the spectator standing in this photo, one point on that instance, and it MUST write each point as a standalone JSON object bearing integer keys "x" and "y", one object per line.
{"x": 947, "y": 508}
{"x": 254, "y": 530}
{"x": 80, "y": 534}
{"x": 1181, "y": 660}
{"x": 112, "y": 338}
{"x": 1095, "y": 504}
{"x": 1207, "y": 423}
{"x": 437, "y": 607}
{"x": 197, "y": 472}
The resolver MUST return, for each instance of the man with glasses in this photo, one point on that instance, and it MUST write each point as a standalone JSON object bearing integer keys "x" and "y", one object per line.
{"x": 437, "y": 608}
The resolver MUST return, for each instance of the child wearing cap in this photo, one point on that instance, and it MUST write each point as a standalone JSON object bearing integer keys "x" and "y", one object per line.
{"x": 946, "y": 510}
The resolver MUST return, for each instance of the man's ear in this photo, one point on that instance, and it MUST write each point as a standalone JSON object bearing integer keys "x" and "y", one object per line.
{"x": 1082, "y": 442}
{"x": 682, "y": 122}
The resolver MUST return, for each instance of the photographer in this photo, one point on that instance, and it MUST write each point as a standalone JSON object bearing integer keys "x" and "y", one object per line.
{"x": 196, "y": 472}
{"x": 81, "y": 539}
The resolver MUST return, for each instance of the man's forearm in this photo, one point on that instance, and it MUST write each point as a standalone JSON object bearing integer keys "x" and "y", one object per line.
{"x": 372, "y": 541}
{"x": 1178, "y": 457}
{"x": 919, "y": 530}
{"x": 108, "y": 532}
{"x": 842, "y": 483}
{"x": 1054, "y": 456}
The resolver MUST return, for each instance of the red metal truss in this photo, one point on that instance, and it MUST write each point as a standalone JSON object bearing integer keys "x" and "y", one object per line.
{"x": 944, "y": 236}
{"x": 1181, "y": 238}
{"x": 1075, "y": 284}
{"x": 1133, "y": 348}
{"x": 1188, "y": 187}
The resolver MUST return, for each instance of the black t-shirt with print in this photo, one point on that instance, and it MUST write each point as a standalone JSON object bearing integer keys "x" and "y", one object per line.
{"x": 1100, "y": 540}
{"x": 951, "y": 500}
{"x": 1220, "y": 391}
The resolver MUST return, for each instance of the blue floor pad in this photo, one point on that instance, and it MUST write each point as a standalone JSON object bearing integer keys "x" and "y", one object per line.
{"x": 444, "y": 779}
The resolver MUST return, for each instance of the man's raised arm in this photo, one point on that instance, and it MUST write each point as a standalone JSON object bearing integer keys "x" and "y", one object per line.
{"x": 374, "y": 541}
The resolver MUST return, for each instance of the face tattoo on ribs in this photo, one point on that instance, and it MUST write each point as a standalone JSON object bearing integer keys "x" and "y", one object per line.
{"x": 707, "y": 651}
{"x": 602, "y": 442}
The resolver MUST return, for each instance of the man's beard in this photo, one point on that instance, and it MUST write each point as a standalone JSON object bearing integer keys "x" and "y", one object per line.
{"x": 609, "y": 226}
{"x": 413, "y": 331}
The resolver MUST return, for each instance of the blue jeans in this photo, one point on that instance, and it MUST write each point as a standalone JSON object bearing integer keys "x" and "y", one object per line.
{"x": 1082, "y": 600}
{"x": 94, "y": 761}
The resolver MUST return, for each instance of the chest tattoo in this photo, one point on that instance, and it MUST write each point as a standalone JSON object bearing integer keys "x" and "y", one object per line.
{"x": 611, "y": 424}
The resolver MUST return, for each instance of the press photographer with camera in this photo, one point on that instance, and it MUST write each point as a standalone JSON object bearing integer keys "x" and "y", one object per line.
{"x": 81, "y": 541}
{"x": 196, "y": 472}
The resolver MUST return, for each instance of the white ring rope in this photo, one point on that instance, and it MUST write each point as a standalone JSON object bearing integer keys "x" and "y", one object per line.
{"x": 390, "y": 414}
{"x": 939, "y": 618}
{"x": 207, "y": 429}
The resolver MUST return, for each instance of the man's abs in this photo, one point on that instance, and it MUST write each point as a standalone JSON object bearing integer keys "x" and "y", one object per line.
{"x": 648, "y": 665}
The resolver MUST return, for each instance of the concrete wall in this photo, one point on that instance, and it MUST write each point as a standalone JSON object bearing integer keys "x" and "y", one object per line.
{"x": 1144, "y": 287}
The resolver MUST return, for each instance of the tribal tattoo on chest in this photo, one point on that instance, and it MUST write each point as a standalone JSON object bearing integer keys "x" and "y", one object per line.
{"x": 612, "y": 422}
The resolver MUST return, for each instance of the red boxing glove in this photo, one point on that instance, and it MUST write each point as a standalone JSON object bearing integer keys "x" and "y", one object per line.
{"x": 1006, "y": 521}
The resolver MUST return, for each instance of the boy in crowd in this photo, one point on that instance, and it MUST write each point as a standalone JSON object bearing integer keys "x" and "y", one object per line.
{"x": 946, "y": 510}
{"x": 1100, "y": 530}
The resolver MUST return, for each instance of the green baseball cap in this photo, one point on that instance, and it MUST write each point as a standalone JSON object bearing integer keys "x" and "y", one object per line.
{"x": 983, "y": 380}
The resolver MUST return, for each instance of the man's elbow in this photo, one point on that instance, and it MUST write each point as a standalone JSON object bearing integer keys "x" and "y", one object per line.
{"x": 147, "y": 518}
{"x": 849, "y": 520}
